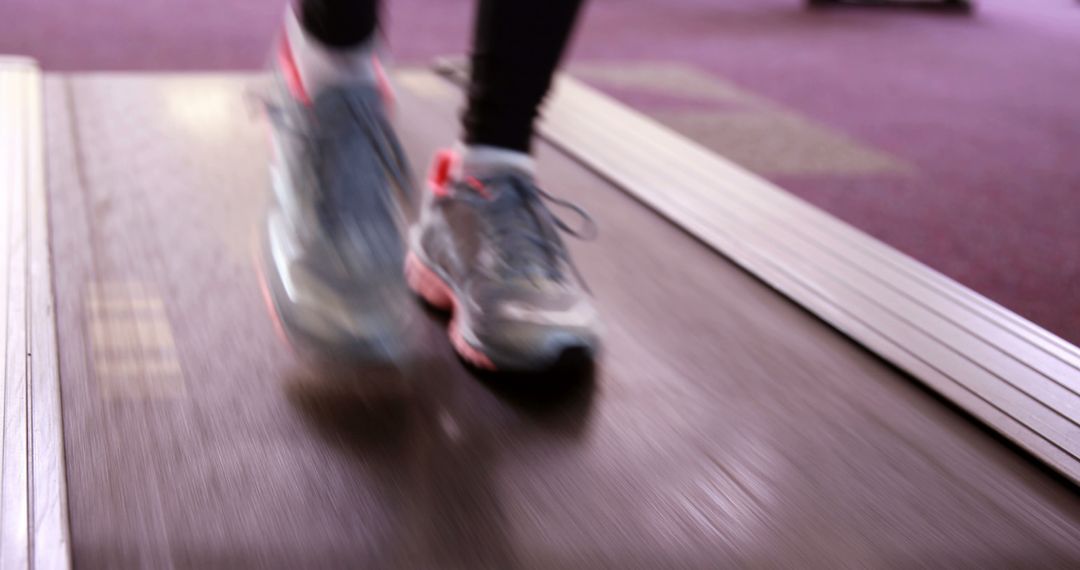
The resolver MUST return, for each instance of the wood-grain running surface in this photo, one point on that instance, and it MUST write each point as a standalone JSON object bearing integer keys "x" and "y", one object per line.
{"x": 724, "y": 426}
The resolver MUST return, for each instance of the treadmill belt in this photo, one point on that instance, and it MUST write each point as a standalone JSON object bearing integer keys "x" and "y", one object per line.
{"x": 723, "y": 425}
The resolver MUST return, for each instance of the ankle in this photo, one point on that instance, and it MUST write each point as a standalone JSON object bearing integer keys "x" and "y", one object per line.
{"x": 482, "y": 160}
{"x": 321, "y": 66}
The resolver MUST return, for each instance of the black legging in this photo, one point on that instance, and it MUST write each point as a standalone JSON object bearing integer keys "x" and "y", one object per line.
{"x": 516, "y": 46}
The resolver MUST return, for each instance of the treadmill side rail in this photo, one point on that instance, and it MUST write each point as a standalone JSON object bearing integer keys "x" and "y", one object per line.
{"x": 33, "y": 522}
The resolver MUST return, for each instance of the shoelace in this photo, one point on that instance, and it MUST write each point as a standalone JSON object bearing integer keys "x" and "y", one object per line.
{"x": 524, "y": 243}
{"x": 375, "y": 125}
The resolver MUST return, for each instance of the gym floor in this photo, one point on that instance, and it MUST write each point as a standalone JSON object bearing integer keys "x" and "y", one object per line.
{"x": 950, "y": 136}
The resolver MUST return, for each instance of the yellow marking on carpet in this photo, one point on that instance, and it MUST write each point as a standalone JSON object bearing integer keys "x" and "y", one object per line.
{"x": 757, "y": 133}
{"x": 132, "y": 342}
{"x": 780, "y": 143}
{"x": 665, "y": 78}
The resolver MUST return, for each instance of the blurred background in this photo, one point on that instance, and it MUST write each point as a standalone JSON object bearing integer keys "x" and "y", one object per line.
{"x": 949, "y": 134}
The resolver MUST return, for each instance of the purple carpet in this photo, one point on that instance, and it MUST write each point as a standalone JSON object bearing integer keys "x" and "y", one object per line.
{"x": 983, "y": 109}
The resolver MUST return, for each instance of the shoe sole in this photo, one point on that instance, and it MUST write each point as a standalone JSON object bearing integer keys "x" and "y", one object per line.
{"x": 258, "y": 260}
{"x": 300, "y": 342}
{"x": 437, "y": 292}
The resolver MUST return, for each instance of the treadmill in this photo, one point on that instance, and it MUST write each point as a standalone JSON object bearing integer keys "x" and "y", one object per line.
{"x": 777, "y": 389}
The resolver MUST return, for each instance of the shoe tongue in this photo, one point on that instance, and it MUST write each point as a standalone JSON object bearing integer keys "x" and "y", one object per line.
{"x": 333, "y": 106}
{"x": 504, "y": 192}
{"x": 507, "y": 194}
{"x": 507, "y": 202}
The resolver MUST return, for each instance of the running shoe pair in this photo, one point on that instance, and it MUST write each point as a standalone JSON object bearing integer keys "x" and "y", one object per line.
{"x": 336, "y": 268}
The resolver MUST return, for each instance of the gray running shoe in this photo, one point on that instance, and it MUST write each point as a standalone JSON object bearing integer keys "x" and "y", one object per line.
{"x": 489, "y": 250}
{"x": 333, "y": 237}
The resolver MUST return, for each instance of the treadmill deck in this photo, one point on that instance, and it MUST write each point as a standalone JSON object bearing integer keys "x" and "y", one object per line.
{"x": 724, "y": 425}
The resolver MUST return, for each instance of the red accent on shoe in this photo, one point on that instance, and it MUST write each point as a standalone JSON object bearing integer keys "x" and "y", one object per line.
{"x": 291, "y": 72}
{"x": 439, "y": 175}
{"x": 426, "y": 283}
{"x": 383, "y": 80}
{"x": 477, "y": 185}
